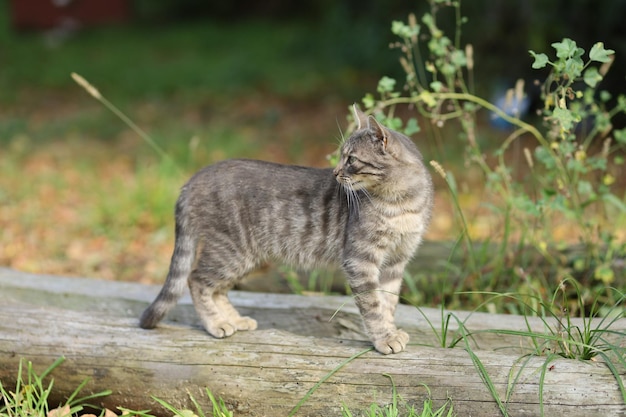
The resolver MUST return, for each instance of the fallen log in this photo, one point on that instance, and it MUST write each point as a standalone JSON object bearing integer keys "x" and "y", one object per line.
{"x": 268, "y": 372}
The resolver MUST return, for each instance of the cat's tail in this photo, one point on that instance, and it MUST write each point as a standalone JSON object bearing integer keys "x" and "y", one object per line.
{"x": 180, "y": 268}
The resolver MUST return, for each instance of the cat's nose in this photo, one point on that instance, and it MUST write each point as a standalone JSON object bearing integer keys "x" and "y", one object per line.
{"x": 336, "y": 171}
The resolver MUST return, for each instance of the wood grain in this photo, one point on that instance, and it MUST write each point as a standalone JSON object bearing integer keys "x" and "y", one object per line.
{"x": 93, "y": 324}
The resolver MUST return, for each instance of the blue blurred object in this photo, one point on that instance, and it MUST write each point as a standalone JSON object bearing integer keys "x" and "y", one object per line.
{"x": 513, "y": 101}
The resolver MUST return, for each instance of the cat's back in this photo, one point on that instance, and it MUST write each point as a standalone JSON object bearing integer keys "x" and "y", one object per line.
{"x": 237, "y": 175}
{"x": 283, "y": 211}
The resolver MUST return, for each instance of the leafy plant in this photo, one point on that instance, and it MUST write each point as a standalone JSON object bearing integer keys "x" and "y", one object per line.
{"x": 570, "y": 171}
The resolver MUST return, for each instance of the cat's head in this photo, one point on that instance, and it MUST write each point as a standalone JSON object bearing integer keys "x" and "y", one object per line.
{"x": 374, "y": 157}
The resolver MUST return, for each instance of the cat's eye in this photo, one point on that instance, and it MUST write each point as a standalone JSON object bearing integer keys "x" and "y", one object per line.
{"x": 351, "y": 160}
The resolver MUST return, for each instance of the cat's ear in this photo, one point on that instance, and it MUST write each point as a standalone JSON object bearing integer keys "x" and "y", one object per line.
{"x": 380, "y": 131}
{"x": 360, "y": 118}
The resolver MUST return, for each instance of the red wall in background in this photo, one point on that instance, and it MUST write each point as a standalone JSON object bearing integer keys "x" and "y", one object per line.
{"x": 46, "y": 14}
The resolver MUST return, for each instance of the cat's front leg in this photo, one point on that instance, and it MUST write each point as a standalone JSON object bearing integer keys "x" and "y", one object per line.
{"x": 374, "y": 306}
{"x": 390, "y": 284}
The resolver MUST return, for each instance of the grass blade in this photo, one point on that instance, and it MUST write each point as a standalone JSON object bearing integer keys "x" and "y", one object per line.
{"x": 304, "y": 399}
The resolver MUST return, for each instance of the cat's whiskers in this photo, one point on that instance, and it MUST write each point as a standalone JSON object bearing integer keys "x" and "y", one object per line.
{"x": 352, "y": 196}
{"x": 367, "y": 194}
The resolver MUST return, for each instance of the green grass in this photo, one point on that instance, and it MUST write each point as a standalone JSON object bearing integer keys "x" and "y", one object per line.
{"x": 188, "y": 61}
{"x": 30, "y": 399}
{"x": 30, "y": 395}
{"x": 399, "y": 408}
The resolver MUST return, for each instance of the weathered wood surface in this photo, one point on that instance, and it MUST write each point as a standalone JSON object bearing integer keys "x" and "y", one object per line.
{"x": 267, "y": 372}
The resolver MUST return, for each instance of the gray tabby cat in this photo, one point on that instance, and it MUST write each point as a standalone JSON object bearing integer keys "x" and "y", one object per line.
{"x": 367, "y": 215}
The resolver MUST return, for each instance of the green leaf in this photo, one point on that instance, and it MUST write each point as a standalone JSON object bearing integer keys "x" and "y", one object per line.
{"x": 605, "y": 96}
{"x": 567, "y": 48}
{"x": 439, "y": 46}
{"x": 620, "y": 136}
{"x": 573, "y": 67}
{"x": 621, "y": 103}
{"x": 585, "y": 188}
{"x": 592, "y": 77}
{"x": 599, "y": 54}
{"x": 429, "y": 21}
{"x": 369, "y": 101}
{"x": 386, "y": 85}
{"x": 394, "y": 123}
{"x": 436, "y": 86}
{"x": 605, "y": 274}
{"x": 614, "y": 200}
{"x": 411, "y": 127}
{"x": 403, "y": 30}
{"x": 458, "y": 58}
{"x": 564, "y": 117}
{"x": 541, "y": 60}
{"x": 543, "y": 155}
{"x": 427, "y": 97}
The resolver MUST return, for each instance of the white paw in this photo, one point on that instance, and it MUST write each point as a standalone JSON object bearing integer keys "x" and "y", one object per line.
{"x": 393, "y": 342}
{"x": 245, "y": 323}
{"x": 221, "y": 329}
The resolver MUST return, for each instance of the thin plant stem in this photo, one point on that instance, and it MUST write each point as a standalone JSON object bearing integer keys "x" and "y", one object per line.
{"x": 95, "y": 93}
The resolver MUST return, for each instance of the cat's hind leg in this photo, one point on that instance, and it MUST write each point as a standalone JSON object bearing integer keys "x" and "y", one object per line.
{"x": 211, "y": 316}
{"x": 228, "y": 310}
{"x": 213, "y": 276}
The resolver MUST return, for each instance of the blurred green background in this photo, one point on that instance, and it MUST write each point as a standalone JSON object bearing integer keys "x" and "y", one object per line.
{"x": 82, "y": 194}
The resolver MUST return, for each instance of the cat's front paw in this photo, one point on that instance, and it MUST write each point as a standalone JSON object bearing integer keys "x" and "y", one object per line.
{"x": 224, "y": 328}
{"x": 245, "y": 323}
{"x": 393, "y": 342}
{"x": 221, "y": 329}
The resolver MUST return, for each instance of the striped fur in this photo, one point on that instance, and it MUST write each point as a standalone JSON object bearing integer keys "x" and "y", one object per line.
{"x": 368, "y": 215}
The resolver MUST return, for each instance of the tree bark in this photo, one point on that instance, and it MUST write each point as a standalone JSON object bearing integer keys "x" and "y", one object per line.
{"x": 268, "y": 372}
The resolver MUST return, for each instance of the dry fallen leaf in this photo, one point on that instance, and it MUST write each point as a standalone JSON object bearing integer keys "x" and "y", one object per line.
{"x": 109, "y": 413}
{"x": 60, "y": 412}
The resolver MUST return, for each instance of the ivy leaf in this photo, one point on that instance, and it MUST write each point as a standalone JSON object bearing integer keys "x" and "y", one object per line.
{"x": 386, "y": 85}
{"x": 592, "y": 77}
{"x": 567, "y": 49}
{"x": 403, "y": 30}
{"x": 436, "y": 86}
{"x": 411, "y": 127}
{"x": 573, "y": 67}
{"x": 369, "y": 101}
{"x": 565, "y": 118}
{"x": 541, "y": 60}
{"x": 394, "y": 123}
{"x": 599, "y": 54}
{"x": 458, "y": 59}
